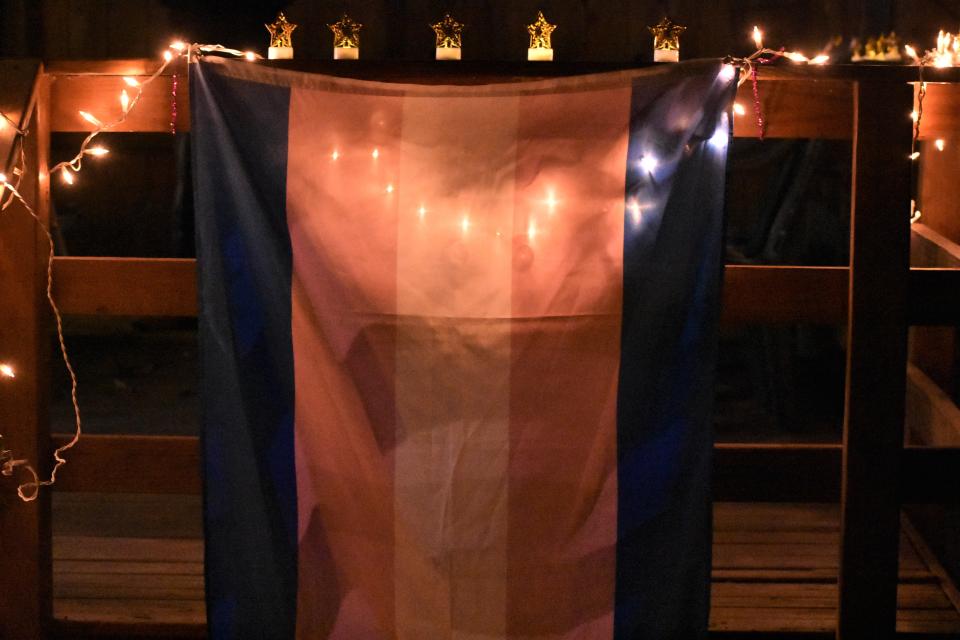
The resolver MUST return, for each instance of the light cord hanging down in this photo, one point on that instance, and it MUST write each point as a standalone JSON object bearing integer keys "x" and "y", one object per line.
{"x": 9, "y": 462}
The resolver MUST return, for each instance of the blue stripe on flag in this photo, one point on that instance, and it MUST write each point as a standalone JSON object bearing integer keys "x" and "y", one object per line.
{"x": 671, "y": 283}
{"x": 245, "y": 265}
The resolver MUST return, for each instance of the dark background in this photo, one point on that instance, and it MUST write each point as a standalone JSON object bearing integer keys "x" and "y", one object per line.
{"x": 588, "y": 30}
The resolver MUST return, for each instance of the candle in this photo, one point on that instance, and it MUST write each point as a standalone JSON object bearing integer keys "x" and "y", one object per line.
{"x": 346, "y": 53}
{"x": 540, "y": 54}
{"x": 280, "y": 53}
{"x": 666, "y": 55}
{"x": 448, "y": 53}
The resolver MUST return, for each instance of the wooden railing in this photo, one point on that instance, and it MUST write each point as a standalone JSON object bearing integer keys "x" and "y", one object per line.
{"x": 870, "y": 473}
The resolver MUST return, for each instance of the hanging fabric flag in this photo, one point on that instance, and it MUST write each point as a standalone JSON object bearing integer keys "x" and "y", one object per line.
{"x": 458, "y": 350}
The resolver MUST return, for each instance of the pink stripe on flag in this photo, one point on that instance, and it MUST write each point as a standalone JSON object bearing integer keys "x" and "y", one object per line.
{"x": 567, "y": 287}
{"x": 456, "y": 197}
{"x": 342, "y": 222}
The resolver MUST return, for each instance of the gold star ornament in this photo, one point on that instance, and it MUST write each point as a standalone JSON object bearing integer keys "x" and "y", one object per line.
{"x": 449, "y": 33}
{"x": 346, "y": 33}
{"x": 540, "y": 32}
{"x": 666, "y": 35}
{"x": 280, "y": 31}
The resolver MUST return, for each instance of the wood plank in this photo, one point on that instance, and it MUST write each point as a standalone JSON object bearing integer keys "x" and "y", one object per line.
{"x": 133, "y": 464}
{"x": 779, "y": 294}
{"x": 25, "y": 596}
{"x": 127, "y": 549}
{"x": 932, "y": 419}
{"x": 941, "y": 118}
{"x": 820, "y": 109}
{"x": 158, "y": 586}
{"x": 126, "y": 286}
{"x": 99, "y": 94}
{"x": 742, "y": 472}
{"x": 876, "y": 361}
{"x": 929, "y": 248}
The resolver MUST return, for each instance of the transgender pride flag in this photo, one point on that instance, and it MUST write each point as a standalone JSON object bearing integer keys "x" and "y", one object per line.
{"x": 458, "y": 345}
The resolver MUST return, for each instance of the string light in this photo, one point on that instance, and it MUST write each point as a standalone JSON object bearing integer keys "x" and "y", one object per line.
{"x": 389, "y": 188}
{"x": 914, "y": 155}
{"x": 648, "y": 163}
{"x": 90, "y": 118}
{"x": 375, "y": 154}
{"x": 334, "y": 155}
{"x": 939, "y": 143}
{"x": 757, "y": 37}
{"x": 250, "y": 56}
{"x": 738, "y": 109}
{"x": 29, "y": 490}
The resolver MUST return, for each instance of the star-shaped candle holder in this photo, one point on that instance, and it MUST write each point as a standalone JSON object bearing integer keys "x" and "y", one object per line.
{"x": 540, "y": 47}
{"x": 346, "y": 38}
{"x": 666, "y": 40}
{"x": 281, "y": 43}
{"x": 449, "y": 34}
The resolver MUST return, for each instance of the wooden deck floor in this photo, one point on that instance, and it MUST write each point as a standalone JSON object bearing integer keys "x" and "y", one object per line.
{"x": 133, "y": 565}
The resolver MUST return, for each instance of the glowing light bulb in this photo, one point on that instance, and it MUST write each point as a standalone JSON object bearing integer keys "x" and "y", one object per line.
{"x": 465, "y": 223}
{"x": 178, "y": 45}
{"x": 727, "y": 72}
{"x": 721, "y": 136}
{"x": 940, "y": 143}
{"x": 532, "y": 230}
{"x": 911, "y": 52}
{"x": 167, "y": 56}
{"x": 795, "y": 56}
{"x": 375, "y": 154}
{"x": 131, "y": 82}
{"x": 3, "y": 178}
{"x": 914, "y": 155}
{"x": 820, "y": 59}
{"x": 90, "y": 118}
{"x": 67, "y": 176}
{"x": 421, "y": 212}
{"x": 334, "y": 155}
{"x": 124, "y": 100}
{"x": 758, "y": 37}
{"x": 633, "y": 207}
{"x": 250, "y": 56}
{"x": 7, "y": 371}
{"x": 914, "y": 115}
{"x": 3, "y": 124}
{"x": 648, "y": 163}
{"x": 389, "y": 188}
{"x": 551, "y": 200}
{"x": 738, "y": 109}
{"x": 97, "y": 151}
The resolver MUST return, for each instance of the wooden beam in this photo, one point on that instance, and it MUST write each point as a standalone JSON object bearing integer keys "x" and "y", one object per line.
{"x": 126, "y": 286}
{"x": 25, "y": 591}
{"x": 132, "y": 464}
{"x": 783, "y": 295}
{"x": 797, "y": 109}
{"x": 743, "y": 472}
{"x": 876, "y": 361}
{"x": 100, "y": 95}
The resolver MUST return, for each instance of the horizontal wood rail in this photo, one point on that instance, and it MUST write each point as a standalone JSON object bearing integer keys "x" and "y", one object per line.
{"x": 754, "y": 294}
{"x": 742, "y": 472}
{"x": 794, "y": 107}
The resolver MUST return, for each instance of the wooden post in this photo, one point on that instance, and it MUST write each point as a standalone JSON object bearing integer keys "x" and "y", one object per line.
{"x": 25, "y": 588}
{"x": 876, "y": 361}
